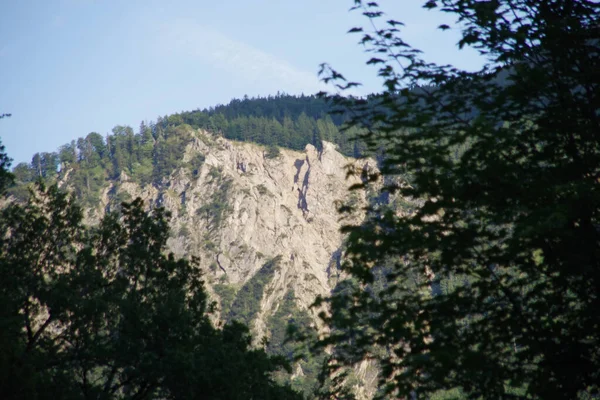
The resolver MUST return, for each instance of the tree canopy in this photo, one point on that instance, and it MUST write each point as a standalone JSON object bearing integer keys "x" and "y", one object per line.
{"x": 156, "y": 149}
{"x": 485, "y": 281}
{"x": 105, "y": 313}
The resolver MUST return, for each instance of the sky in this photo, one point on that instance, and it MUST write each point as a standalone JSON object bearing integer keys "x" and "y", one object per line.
{"x": 71, "y": 67}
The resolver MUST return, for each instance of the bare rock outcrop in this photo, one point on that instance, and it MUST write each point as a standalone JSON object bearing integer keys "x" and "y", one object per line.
{"x": 242, "y": 208}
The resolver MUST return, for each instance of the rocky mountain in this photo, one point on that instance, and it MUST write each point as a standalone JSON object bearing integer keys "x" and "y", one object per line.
{"x": 262, "y": 222}
{"x": 242, "y": 207}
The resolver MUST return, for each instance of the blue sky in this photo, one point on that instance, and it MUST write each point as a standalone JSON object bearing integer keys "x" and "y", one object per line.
{"x": 70, "y": 67}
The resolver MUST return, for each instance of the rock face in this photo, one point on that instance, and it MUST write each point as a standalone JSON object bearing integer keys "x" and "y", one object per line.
{"x": 240, "y": 208}
{"x": 264, "y": 226}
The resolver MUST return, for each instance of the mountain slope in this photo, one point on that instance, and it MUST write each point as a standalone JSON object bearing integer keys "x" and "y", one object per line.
{"x": 263, "y": 223}
{"x": 240, "y": 208}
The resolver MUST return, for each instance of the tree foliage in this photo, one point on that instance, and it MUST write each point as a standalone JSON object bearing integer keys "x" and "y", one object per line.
{"x": 106, "y": 313}
{"x": 291, "y": 335}
{"x": 6, "y": 178}
{"x": 246, "y": 304}
{"x": 156, "y": 150}
{"x": 490, "y": 285}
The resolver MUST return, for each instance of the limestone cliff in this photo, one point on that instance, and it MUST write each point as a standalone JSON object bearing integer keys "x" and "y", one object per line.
{"x": 243, "y": 206}
{"x": 264, "y": 226}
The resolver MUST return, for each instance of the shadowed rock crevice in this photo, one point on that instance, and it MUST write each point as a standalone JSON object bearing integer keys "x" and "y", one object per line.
{"x": 298, "y": 164}
{"x": 219, "y": 264}
{"x": 302, "y": 203}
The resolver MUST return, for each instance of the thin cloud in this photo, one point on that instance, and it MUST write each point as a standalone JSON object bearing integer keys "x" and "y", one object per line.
{"x": 58, "y": 21}
{"x": 241, "y": 60}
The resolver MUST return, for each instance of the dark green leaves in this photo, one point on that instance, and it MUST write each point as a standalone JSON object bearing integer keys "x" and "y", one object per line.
{"x": 474, "y": 271}
{"x": 105, "y": 312}
{"x": 6, "y": 178}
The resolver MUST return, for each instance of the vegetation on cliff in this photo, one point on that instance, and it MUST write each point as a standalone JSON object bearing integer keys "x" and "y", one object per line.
{"x": 156, "y": 149}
